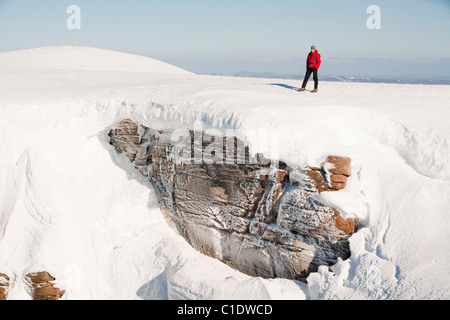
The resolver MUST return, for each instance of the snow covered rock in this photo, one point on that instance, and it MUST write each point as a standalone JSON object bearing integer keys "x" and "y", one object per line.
{"x": 251, "y": 216}
{"x": 43, "y": 287}
{"x": 332, "y": 174}
{"x": 4, "y": 285}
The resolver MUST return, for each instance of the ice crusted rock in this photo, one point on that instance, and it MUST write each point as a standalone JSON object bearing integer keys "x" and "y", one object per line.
{"x": 42, "y": 286}
{"x": 261, "y": 220}
{"x": 332, "y": 174}
{"x": 4, "y": 285}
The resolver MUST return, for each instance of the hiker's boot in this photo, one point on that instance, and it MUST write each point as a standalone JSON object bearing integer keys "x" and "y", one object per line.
{"x": 301, "y": 90}
{"x": 314, "y": 91}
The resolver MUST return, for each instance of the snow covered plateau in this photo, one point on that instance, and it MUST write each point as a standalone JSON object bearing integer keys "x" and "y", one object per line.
{"x": 72, "y": 206}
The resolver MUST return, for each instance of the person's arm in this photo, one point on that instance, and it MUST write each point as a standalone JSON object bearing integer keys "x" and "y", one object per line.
{"x": 319, "y": 61}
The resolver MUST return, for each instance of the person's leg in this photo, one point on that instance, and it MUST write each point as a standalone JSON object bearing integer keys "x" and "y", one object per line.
{"x": 316, "y": 79}
{"x": 307, "y": 76}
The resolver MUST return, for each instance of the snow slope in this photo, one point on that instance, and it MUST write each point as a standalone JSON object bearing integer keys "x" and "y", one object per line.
{"x": 73, "y": 207}
{"x": 83, "y": 58}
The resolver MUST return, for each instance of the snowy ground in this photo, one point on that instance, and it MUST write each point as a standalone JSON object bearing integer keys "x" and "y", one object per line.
{"x": 73, "y": 207}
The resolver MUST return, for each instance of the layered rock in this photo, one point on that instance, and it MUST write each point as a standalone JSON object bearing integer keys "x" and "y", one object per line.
{"x": 4, "y": 285}
{"x": 332, "y": 174}
{"x": 43, "y": 287}
{"x": 262, "y": 220}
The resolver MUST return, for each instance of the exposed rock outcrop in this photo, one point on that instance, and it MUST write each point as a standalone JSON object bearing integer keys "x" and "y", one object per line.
{"x": 43, "y": 287}
{"x": 332, "y": 174}
{"x": 262, "y": 220}
{"x": 4, "y": 285}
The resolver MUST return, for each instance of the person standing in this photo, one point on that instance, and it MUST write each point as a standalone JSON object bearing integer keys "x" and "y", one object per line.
{"x": 312, "y": 66}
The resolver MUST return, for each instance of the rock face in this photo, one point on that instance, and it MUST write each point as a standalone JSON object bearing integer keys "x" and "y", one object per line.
{"x": 4, "y": 285}
{"x": 332, "y": 175}
{"x": 261, "y": 220}
{"x": 42, "y": 286}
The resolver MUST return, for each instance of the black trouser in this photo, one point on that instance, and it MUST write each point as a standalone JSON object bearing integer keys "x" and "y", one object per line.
{"x": 308, "y": 75}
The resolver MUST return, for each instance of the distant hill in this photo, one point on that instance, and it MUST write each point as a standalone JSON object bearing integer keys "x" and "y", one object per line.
{"x": 400, "y": 79}
{"x": 83, "y": 58}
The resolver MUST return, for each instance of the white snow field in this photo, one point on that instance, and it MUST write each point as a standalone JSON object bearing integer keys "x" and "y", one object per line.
{"x": 70, "y": 205}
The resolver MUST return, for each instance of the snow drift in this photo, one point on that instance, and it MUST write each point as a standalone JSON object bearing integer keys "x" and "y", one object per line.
{"x": 72, "y": 207}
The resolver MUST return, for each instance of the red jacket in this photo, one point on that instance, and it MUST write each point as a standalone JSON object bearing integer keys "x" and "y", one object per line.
{"x": 313, "y": 60}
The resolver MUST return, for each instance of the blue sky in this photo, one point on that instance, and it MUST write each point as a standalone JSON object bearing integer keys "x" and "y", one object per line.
{"x": 207, "y": 36}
